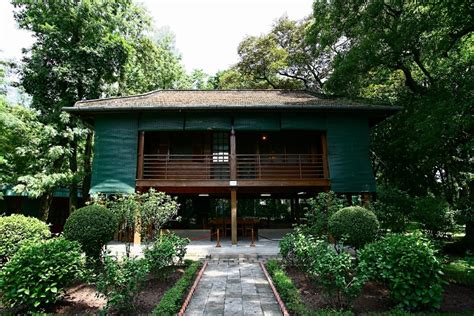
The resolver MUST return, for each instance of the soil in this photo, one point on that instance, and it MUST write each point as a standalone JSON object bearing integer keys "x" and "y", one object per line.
{"x": 83, "y": 299}
{"x": 376, "y": 298}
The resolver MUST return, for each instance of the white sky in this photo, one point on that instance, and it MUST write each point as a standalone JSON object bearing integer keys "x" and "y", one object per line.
{"x": 207, "y": 32}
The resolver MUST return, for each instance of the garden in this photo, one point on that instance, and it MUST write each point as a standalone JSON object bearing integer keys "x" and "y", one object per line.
{"x": 74, "y": 273}
{"x": 374, "y": 259}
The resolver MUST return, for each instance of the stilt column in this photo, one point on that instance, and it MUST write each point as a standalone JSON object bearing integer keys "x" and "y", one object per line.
{"x": 233, "y": 215}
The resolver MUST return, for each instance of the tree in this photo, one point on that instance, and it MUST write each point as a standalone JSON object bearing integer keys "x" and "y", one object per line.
{"x": 283, "y": 58}
{"x": 30, "y": 154}
{"x": 82, "y": 50}
{"x": 418, "y": 55}
{"x": 153, "y": 64}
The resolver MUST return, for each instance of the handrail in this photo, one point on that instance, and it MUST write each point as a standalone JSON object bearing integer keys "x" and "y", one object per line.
{"x": 217, "y": 166}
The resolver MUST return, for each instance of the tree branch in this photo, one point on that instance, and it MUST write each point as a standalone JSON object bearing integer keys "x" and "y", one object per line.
{"x": 409, "y": 81}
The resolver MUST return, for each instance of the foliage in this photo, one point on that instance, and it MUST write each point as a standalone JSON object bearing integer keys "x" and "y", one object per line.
{"x": 298, "y": 248}
{"x": 17, "y": 229}
{"x": 287, "y": 290}
{"x": 333, "y": 270}
{"x": 121, "y": 281}
{"x": 355, "y": 224}
{"x": 283, "y": 59}
{"x": 149, "y": 209}
{"x": 434, "y": 215}
{"x": 408, "y": 266}
{"x": 156, "y": 209}
{"x": 167, "y": 250}
{"x": 93, "y": 49}
{"x": 417, "y": 55}
{"x": 318, "y": 212}
{"x": 153, "y": 64}
{"x": 30, "y": 158}
{"x": 92, "y": 226}
{"x": 336, "y": 272}
{"x": 39, "y": 271}
{"x": 173, "y": 298}
{"x": 460, "y": 271}
{"x": 393, "y": 208}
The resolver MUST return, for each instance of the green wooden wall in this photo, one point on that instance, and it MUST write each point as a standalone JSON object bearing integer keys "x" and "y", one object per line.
{"x": 115, "y": 150}
{"x": 350, "y": 169}
{"x": 115, "y": 154}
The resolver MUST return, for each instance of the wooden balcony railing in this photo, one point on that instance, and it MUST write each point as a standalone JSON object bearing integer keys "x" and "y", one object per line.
{"x": 280, "y": 166}
{"x": 248, "y": 167}
{"x": 186, "y": 167}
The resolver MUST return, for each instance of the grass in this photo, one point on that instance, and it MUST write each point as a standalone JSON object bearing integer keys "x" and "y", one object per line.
{"x": 172, "y": 300}
{"x": 460, "y": 271}
{"x": 287, "y": 290}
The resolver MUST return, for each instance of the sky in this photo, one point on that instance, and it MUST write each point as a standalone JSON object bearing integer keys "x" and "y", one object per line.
{"x": 207, "y": 32}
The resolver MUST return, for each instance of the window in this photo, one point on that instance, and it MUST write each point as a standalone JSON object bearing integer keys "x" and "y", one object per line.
{"x": 220, "y": 147}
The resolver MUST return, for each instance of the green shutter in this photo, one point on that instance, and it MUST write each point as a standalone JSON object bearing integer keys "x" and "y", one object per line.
{"x": 303, "y": 121}
{"x": 115, "y": 154}
{"x": 257, "y": 122}
{"x": 350, "y": 169}
{"x": 207, "y": 121}
{"x": 161, "y": 122}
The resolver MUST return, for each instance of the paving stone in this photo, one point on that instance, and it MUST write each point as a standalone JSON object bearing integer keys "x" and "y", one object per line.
{"x": 233, "y": 286}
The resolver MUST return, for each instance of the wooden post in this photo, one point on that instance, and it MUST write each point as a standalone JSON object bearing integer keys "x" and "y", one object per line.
{"x": 233, "y": 157}
{"x": 137, "y": 238}
{"x": 233, "y": 216}
{"x": 141, "y": 146}
{"x": 349, "y": 199}
{"x": 325, "y": 156}
{"x": 365, "y": 198}
{"x": 218, "y": 239}
{"x": 253, "y": 239}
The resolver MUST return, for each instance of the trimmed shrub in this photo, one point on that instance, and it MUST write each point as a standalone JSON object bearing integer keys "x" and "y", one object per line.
{"x": 17, "y": 229}
{"x": 408, "y": 266}
{"x": 39, "y": 271}
{"x": 354, "y": 223}
{"x": 287, "y": 290}
{"x": 92, "y": 226}
{"x": 121, "y": 281}
{"x": 172, "y": 300}
{"x": 167, "y": 250}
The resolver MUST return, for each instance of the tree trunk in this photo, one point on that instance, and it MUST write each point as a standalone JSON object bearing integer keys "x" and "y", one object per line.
{"x": 73, "y": 186}
{"x": 45, "y": 204}
{"x": 86, "y": 182}
{"x": 468, "y": 239}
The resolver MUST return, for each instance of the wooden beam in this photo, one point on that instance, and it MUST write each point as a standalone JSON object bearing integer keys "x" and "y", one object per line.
{"x": 324, "y": 147}
{"x": 233, "y": 156}
{"x": 141, "y": 146}
{"x": 233, "y": 216}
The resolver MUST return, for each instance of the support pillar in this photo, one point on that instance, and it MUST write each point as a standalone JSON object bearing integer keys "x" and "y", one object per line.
{"x": 365, "y": 199}
{"x": 141, "y": 146}
{"x": 137, "y": 238}
{"x": 233, "y": 215}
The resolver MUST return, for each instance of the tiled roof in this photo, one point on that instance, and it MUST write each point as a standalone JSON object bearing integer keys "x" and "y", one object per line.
{"x": 222, "y": 99}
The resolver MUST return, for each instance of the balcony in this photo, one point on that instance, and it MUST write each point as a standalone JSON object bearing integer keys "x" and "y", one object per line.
{"x": 247, "y": 166}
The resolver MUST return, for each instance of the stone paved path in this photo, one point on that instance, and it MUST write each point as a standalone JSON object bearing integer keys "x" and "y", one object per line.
{"x": 233, "y": 289}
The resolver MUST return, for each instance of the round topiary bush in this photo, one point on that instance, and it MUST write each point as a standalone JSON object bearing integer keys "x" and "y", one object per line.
{"x": 39, "y": 271}
{"x": 92, "y": 226}
{"x": 357, "y": 224}
{"x": 16, "y": 229}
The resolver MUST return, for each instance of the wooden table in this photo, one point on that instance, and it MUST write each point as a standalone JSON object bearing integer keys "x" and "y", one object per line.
{"x": 245, "y": 225}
